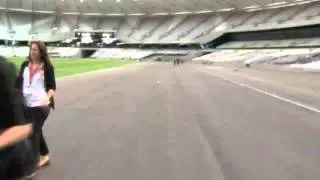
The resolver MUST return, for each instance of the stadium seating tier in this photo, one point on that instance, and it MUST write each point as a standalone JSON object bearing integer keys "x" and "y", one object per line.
{"x": 155, "y": 29}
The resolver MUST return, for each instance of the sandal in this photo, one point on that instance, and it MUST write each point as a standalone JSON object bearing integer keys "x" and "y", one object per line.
{"x": 44, "y": 161}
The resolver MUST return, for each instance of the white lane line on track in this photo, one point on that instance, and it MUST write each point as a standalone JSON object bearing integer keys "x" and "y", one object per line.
{"x": 294, "y": 102}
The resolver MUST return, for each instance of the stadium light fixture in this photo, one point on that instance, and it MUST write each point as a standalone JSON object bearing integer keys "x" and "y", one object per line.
{"x": 20, "y": 10}
{"x": 289, "y": 5}
{"x": 177, "y": 13}
{"x": 224, "y": 10}
{"x": 114, "y": 14}
{"x": 118, "y": 1}
{"x": 302, "y": 2}
{"x": 255, "y": 9}
{"x": 44, "y": 12}
{"x": 137, "y": 14}
{"x": 27, "y": 10}
{"x": 281, "y": 6}
{"x": 278, "y": 3}
{"x": 251, "y": 7}
{"x": 160, "y": 14}
{"x": 71, "y": 13}
{"x": 305, "y": 2}
{"x": 93, "y": 14}
{"x": 203, "y": 12}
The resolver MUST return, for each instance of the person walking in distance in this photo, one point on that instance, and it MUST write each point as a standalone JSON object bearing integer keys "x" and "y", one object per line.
{"x": 37, "y": 82}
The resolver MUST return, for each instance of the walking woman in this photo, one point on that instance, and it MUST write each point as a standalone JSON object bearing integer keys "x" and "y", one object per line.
{"x": 37, "y": 82}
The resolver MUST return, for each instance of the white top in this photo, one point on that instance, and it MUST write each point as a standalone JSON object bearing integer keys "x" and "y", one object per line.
{"x": 34, "y": 93}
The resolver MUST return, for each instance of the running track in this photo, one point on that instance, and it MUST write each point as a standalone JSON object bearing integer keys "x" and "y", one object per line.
{"x": 159, "y": 122}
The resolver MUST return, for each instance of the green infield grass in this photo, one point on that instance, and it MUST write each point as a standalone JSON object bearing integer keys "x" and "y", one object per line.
{"x": 67, "y": 67}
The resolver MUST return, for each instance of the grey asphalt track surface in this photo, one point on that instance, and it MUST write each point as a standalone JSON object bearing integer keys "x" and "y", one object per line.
{"x": 159, "y": 122}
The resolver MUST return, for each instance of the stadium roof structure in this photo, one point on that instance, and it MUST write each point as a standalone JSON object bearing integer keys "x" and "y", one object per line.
{"x": 142, "y": 7}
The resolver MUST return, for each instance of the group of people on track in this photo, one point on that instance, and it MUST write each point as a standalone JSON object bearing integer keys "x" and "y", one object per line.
{"x": 177, "y": 61}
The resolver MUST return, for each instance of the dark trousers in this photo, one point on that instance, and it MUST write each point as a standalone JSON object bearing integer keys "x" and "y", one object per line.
{"x": 37, "y": 116}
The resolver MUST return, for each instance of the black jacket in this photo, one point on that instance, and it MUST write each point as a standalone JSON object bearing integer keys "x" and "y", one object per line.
{"x": 15, "y": 160}
{"x": 10, "y": 98}
{"x": 49, "y": 78}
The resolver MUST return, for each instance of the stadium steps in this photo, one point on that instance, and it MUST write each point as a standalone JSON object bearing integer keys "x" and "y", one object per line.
{"x": 136, "y": 26}
{"x": 249, "y": 16}
{"x": 204, "y": 20}
{"x": 149, "y": 34}
{"x": 294, "y": 14}
{"x": 119, "y": 25}
{"x": 267, "y": 18}
{"x": 174, "y": 25}
{"x": 209, "y": 32}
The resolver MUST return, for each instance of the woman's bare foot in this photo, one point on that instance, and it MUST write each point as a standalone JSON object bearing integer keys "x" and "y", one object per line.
{"x": 44, "y": 161}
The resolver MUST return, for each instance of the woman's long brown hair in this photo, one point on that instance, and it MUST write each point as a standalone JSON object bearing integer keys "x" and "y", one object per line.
{"x": 44, "y": 57}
